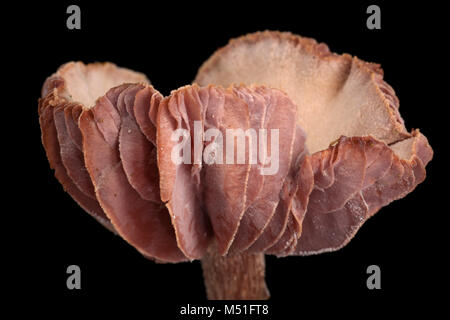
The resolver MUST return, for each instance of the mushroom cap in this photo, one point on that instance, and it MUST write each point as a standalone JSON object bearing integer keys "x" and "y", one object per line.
{"x": 361, "y": 155}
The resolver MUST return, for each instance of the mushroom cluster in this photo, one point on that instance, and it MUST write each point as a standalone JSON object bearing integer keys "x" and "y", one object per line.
{"x": 343, "y": 153}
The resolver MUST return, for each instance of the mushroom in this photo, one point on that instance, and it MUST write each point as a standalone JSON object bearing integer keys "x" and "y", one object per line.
{"x": 343, "y": 153}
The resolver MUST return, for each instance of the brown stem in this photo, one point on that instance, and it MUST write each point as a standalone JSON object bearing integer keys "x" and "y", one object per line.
{"x": 238, "y": 277}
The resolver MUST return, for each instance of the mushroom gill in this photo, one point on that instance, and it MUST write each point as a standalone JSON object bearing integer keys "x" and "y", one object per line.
{"x": 65, "y": 94}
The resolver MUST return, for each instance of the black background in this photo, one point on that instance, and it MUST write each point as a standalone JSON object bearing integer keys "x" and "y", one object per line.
{"x": 168, "y": 42}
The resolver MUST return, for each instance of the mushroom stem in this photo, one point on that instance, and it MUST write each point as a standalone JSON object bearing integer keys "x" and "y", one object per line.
{"x": 237, "y": 277}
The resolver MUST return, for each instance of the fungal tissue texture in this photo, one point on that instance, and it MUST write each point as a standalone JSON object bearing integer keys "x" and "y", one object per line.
{"x": 329, "y": 122}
